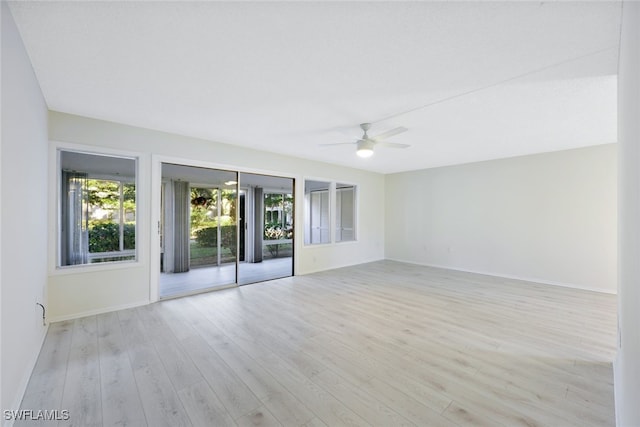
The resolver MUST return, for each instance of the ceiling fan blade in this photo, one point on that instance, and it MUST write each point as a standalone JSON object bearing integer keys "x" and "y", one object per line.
{"x": 389, "y": 133}
{"x": 339, "y": 143}
{"x": 392, "y": 145}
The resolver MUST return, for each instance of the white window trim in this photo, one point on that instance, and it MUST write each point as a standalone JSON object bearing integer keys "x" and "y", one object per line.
{"x": 332, "y": 212}
{"x": 55, "y": 189}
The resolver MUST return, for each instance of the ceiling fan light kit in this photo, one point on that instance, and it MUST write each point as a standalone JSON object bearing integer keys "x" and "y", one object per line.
{"x": 365, "y": 148}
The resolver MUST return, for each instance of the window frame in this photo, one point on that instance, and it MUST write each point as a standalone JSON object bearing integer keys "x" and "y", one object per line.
{"x": 121, "y": 223}
{"x": 338, "y": 226}
{"x": 333, "y": 211}
{"x": 282, "y": 214}
{"x": 308, "y": 212}
{"x": 56, "y": 266}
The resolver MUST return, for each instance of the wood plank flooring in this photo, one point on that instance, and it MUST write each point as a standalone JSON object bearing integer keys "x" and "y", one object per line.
{"x": 382, "y": 344}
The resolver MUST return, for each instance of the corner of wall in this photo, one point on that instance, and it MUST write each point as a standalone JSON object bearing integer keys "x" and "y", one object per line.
{"x": 616, "y": 392}
{"x": 23, "y": 274}
{"x": 627, "y": 363}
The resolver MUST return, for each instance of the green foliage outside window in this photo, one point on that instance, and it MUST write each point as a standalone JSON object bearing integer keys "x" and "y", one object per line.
{"x": 105, "y": 237}
{"x": 104, "y": 220}
{"x": 105, "y": 195}
{"x": 208, "y": 238}
{"x": 204, "y": 209}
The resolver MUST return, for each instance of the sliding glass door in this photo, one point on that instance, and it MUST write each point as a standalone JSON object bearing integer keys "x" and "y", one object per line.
{"x": 198, "y": 229}
{"x": 267, "y": 233}
{"x": 221, "y": 228}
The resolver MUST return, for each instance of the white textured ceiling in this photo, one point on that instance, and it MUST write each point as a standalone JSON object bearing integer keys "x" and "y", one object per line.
{"x": 470, "y": 80}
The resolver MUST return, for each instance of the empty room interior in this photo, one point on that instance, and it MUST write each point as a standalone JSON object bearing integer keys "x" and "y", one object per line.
{"x": 320, "y": 213}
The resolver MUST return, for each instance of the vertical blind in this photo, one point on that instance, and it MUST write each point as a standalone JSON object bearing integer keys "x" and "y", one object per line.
{"x": 74, "y": 219}
{"x": 181, "y": 235}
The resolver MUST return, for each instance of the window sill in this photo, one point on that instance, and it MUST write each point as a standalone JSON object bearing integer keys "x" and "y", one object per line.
{"x": 346, "y": 242}
{"x": 90, "y": 268}
{"x": 323, "y": 245}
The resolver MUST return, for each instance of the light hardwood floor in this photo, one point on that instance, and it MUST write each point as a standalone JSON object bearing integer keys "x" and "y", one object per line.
{"x": 380, "y": 344}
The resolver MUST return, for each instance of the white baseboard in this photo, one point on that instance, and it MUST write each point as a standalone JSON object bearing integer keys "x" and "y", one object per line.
{"x": 334, "y": 267}
{"x": 98, "y": 311}
{"x": 507, "y": 276}
{"x": 26, "y": 377}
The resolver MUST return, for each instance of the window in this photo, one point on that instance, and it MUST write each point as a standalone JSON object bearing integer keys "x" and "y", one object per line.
{"x": 316, "y": 194}
{"x": 329, "y": 206}
{"x": 278, "y": 216}
{"x": 97, "y": 208}
{"x": 345, "y": 212}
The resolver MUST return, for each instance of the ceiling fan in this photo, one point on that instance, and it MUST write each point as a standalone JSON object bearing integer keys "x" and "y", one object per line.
{"x": 366, "y": 143}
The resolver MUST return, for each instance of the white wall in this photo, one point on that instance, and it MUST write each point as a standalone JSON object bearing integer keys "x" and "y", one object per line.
{"x": 87, "y": 290}
{"x": 627, "y": 367}
{"x": 547, "y": 217}
{"x": 23, "y": 218}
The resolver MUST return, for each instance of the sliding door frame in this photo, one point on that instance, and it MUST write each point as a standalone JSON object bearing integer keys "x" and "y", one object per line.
{"x": 156, "y": 209}
{"x": 267, "y": 190}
